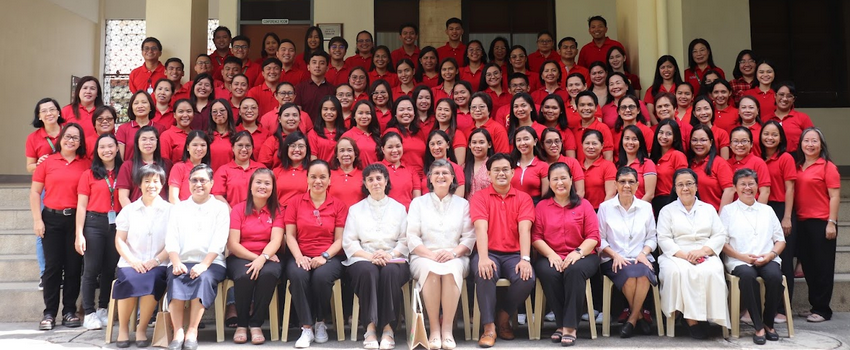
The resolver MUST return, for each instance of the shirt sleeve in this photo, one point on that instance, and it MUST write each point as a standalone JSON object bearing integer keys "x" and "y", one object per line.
{"x": 764, "y": 174}
{"x": 122, "y": 221}
{"x": 414, "y": 229}
{"x": 290, "y": 216}
{"x": 786, "y": 165}
{"x": 724, "y": 173}
{"x": 172, "y": 236}
{"x": 832, "y": 178}
{"x": 664, "y": 231}
{"x": 651, "y": 239}
{"x": 218, "y": 241}
{"x": 416, "y": 181}
{"x": 341, "y": 214}
{"x": 125, "y": 177}
{"x": 526, "y": 207}
{"x": 401, "y": 242}
{"x": 649, "y": 167}
{"x": 603, "y": 226}
{"x": 610, "y": 172}
{"x": 175, "y": 178}
{"x": 278, "y": 219}
{"x": 84, "y": 186}
{"x": 478, "y": 207}
{"x": 219, "y": 182}
{"x": 467, "y": 234}
{"x": 237, "y": 215}
{"x": 718, "y": 235}
{"x": 537, "y": 227}
{"x": 351, "y": 236}
{"x": 591, "y": 223}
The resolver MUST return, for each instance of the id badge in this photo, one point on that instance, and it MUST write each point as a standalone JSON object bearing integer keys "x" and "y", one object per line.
{"x": 111, "y": 215}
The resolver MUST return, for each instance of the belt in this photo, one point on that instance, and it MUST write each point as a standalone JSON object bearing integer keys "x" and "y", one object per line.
{"x": 63, "y": 212}
{"x": 98, "y": 214}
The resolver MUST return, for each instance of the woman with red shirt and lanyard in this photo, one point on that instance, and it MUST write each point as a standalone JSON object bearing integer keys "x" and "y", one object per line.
{"x": 530, "y": 168}
{"x": 700, "y": 59}
{"x": 195, "y": 151}
{"x": 97, "y": 206}
{"x": 256, "y": 235}
{"x": 669, "y": 156}
{"x": 328, "y": 127}
{"x": 314, "y": 224}
{"x": 221, "y": 128}
{"x": 292, "y": 173}
{"x": 232, "y": 179}
{"x": 438, "y": 148}
{"x": 45, "y": 139}
{"x": 817, "y": 215}
{"x": 146, "y": 152}
{"x": 346, "y": 172}
{"x": 405, "y": 123}
{"x": 715, "y": 176}
{"x": 407, "y": 181}
{"x": 87, "y": 97}
{"x": 58, "y": 176}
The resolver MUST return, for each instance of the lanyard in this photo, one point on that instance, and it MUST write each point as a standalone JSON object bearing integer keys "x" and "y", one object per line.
{"x": 49, "y": 142}
{"x": 111, "y": 188}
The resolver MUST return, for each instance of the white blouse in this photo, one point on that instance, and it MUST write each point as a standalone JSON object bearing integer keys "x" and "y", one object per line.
{"x": 626, "y": 232}
{"x": 374, "y": 225}
{"x": 753, "y": 229}
{"x": 680, "y": 229}
{"x": 195, "y": 230}
{"x": 439, "y": 224}
{"x": 146, "y": 229}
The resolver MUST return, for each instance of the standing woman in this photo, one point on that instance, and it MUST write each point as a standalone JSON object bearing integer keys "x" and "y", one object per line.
{"x": 426, "y": 70}
{"x": 358, "y": 78}
{"x": 554, "y": 115}
{"x": 346, "y": 172}
{"x": 97, "y": 206}
{"x": 765, "y": 92}
{"x": 684, "y": 103}
{"x": 475, "y": 168}
{"x": 328, "y": 127}
{"x": 530, "y": 168}
{"x": 599, "y": 79}
{"x": 87, "y": 97}
{"x": 195, "y": 152}
{"x": 727, "y": 114}
{"x": 550, "y": 150}
{"x": 498, "y": 53}
{"x": 550, "y": 82}
{"x": 744, "y": 74}
{"x": 44, "y": 141}
{"x": 55, "y": 224}
{"x": 667, "y": 78}
{"x": 492, "y": 84}
{"x": 405, "y": 123}
{"x": 382, "y": 98}
{"x": 146, "y": 152}
{"x": 817, "y": 212}
{"x": 232, "y": 179}
{"x": 668, "y": 155}
{"x": 313, "y": 41}
{"x": 195, "y": 242}
{"x": 691, "y": 237}
{"x": 569, "y": 249}
{"x": 140, "y": 233}
{"x": 599, "y": 173}
{"x": 630, "y": 114}
{"x": 289, "y": 121}
{"x": 473, "y": 62}
{"x": 618, "y": 88}
{"x": 518, "y": 60}
{"x": 462, "y": 94}
{"x": 249, "y": 121}
{"x": 103, "y": 121}
{"x": 270, "y": 43}
{"x": 704, "y": 115}
{"x": 314, "y": 225}
{"x": 141, "y": 115}
{"x": 447, "y": 80}
{"x": 743, "y": 158}
{"x": 256, "y": 235}
{"x": 375, "y": 242}
{"x": 633, "y": 153}
{"x": 523, "y": 113}
{"x": 382, "y": 66}
{"x": 748, "y": 117}
{"x": 445, "y": 115}
{"x": 480, "y": 107}
{"x": 202, "y": 96}
{"x": 587, "y": 107}
{"x": 715, "y": 186}
{"x": 617, "y": 63}
{"x": 365, "y": 132}
{"x": 792, "y": 120}
{"x": 162, "y": 94}
{"x": 665, "y": 104}
{"x": 406, "y": 179}
{"x": 423, "y": 102}
{"x": 440, "y": 237}
{"x": 221, "y": 128}
{"x": 627, "y": 238}
{"x": 345, "y": 95}
{"x": 438, "y": 148}
{"x": 172, "y": 141}
{"x": 291, "y": 174}
{"x": 700, "y": 60}
{"x": 239, "y": 87}
{"x": 406, "y": 83}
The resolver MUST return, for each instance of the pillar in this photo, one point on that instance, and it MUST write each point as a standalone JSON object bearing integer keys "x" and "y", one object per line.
{"x": 432, "y": 20}
{"x": 181, "y": 26}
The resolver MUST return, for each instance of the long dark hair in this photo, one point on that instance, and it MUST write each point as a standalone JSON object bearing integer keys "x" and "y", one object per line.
{"x": 641, "y": 155}
{"x": 640, "y": 118}
{"x": 448, "y": 60}
{"x": 307, "y": 51}
{"x": 676, "y": 144}
{"x": 390, "y": 66}
{"x": 132, "y": 115}
{"x": 274, "y": 36}
{"x": 575, "y": 200}
{"x": 515, "y": 154}
{"x": 386, "y": 138}
{"x": 782, "y": 147}
{"x": 388, "y": 87}
{"x": 692, "y": 65}
{"x": 629, "y": 89}
{"x": 283, "y": 153}
{"x": 452, "y": 120}
{"x": 482, "y": 82}
{"x": 541, "y": 147}
{"x": 509, "y": 66}
{"x": 373, "y": 128}
{"x": 228, "y": 110}
{"x": 194, "y": 98}
{"x": 98, "y": 100}
{"x": 415, "y": 96}
{"x": 138, "y": 163}
{"x": 712, "y": 151}
{"x": 608, "y": 59}
{"x": 736, "y": 72}
{"x": 513, "y": 121}
{"x": 562, "y": 117}
{"x": 420, "y": 72}
{"x": 339, "y": 121}
{"x": 658, "y": 81}
{"x": 191, "y": 137}
{"x": 278, "y": 133}
{"x": 429, "y": 158}
{"x": 98, "y": 170}
{"x": 81, "y": 150}
{"x": 490, "y": 53}
{"x": 272, "y": 203}
{"x": 469, "y": 165}
{"x": 413, "y": 128}
{"x": 466, "y": 53}
{"x": 694, "y": 120}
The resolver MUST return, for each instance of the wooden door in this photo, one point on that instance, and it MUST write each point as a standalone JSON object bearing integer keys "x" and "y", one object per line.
{"x": 256, "y": 32}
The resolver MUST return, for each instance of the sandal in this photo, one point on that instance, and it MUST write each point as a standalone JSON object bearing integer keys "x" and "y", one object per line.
{"x": 556, "y": 337}
{"x": 257, "y": 336}
{"x": 47, "y": 323}
{"x": 71, "y": 320}
{"x": 568, "y": 340}
{"x": 388, "y": 340}
{"x": 815, "y": 318}
{"x": 370, "y": 344}
{"x": 241, "y": 335}
{"x": 230, "y": 322}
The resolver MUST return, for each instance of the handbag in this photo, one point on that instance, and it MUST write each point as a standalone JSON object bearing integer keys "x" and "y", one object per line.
{"x": 163, "y": 331}
{"x": 418, "y": 335}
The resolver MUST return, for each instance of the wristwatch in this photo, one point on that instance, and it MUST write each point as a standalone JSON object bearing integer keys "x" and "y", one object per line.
{"x": 526, "y": 258}
{"x": 266, "y": 256}
{"x": 578, "y": 250}
{"x": 326, "y": 255}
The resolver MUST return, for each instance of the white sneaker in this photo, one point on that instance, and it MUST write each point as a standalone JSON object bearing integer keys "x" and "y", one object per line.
{"x": 92, "y": 322}
{"x": 521, "y": 318}
{"x": 598, "y": 317}
{"x": 550, "y": 317}
{"x": 321, "y": 332}
{"x": 586, "y": 317}
{"x": 305, "y": 340}
{"x": 103, "y": 316}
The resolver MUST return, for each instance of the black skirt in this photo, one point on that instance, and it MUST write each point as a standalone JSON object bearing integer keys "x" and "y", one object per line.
{"x": 131, "y": 284}
{"x": 630, "y": 271}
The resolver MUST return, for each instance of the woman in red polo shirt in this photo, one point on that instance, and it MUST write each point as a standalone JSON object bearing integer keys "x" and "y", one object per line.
{"x": 202, "y": 96}
{"x": 475, "y": 168}
{"x": 523, "y": 113}
{"x": 617, "y": 62}
{"x": 147, "y": 151}
{"x": 493, "y": 85}
{"x": 445, "y": 115}
{"x": 749, "y": 117}
{"x": 141, "y": 115}
{"x": 587, "y": 110}
{"x": 405, "y": 123}
{"x": 44, "y": 141}
{"x": 103, "y": 120}
{"x": 87, "y": 97}
{"x": 314, "y": 224}
{"x": 195, "y": 151}
{"x": 346, "y": 172}
{"x": 292, "y": 173}
{"x": 633, "y": 153}
{"x": 406, "y": 82}
{"x": 715, "y": 176}
{"x": 162, "y": 93}
{"x": 764, "y": 92}
{"x": 473, "y": 62}
{"x": 518, "y": 60}
{"x": 792, "y": 120}
{"x": 438, "y": 148}
{"x": 256, "y": 235}
{"x": 328, "y": 127}
{"x": 744, "y": 74}
{"x": 221, "y": 128}
{"x": 668, "y": 155}
{"x": 665, "y": 103}
{"x": 700, "y": 59}
{"x": 232, "y": 179}
{"x": 313, "y": 41}
{"x": 97, "y": 205}
{"x": 742, "y": 157}
{"x": 407, "y": 181}
{"x": 58, "y": 175}
{"x": 618, "y": 88}
{"x": 550, "y": 82}
{"x": 498, "y": 53}
{"x": 599, "y": 173}
{"x": 480, "y": 106}
{"x": 462, "y": 94}
{"x": 382, "y": 67}
{"x": 423, "y": 101}
{"x": 447, "y": 80}
{"x": 599, "y": 79}
{"x": 382, "y": 98}
{"x": 817, "y": 225}
{"x": 358, "y": 78}
{"x": 727, "y": 114}
{"x": 667, "y": 78}
{"x": 365, "y": 132}
{"x": 239, "y": 87}
{"x": 289, "y": 121}
{"x": 629, "y": 113}
{"x": 270, "y": 43}
{"x": 684, "y": 103}
{"x": 704, "y": 115}
{"x": 530, "y": 167}
{"x": 553, "y": 115}
{"x": 708, "y": 80}
{"x": 345, "y": 95}
{"x": 550, "y": 147}
{"x": 426, "y": 70}
{"x": 172, "y": 140}
{"x": 249, "y": 121}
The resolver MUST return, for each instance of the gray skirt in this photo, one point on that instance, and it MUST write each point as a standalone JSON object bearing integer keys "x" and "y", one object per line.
{"x": 630, "y": 271}
{"x": 204, "y": 287}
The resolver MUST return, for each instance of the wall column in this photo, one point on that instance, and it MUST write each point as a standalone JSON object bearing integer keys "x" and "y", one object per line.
{"x": 181, "y": 26}
{"x": 432, "y": 20}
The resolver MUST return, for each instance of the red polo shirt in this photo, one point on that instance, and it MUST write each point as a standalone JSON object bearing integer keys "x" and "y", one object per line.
{"x": 270, "y": 121}
{"x": 756, "y": 130}
{"x": 268, "y": 153}
{"x": 501, "y": 144}
{"x": 498, "y": 100}
{"x": 565, "y": 73}
{"x": 336, "y": 76}
{"x": 607, "y": 138}
{"x": 457, "y": 53}
{"x": 793, "y": 124}
{"x": 648, "y": 136}
{"x": 290, "y": 182}
{"x": 126, "y": 134}
{"x": 429, "y": 81}
{"x": 563, "y": 228}
{"x": 399, "y": 53}
{"x": 404, "y": 181}
{"x": 710, "y": 187}
{"x": 125, "y": 180}
{"x": 221, "y": 150}
{"x": 591, "y": 53}
{"x": 383, "y": 117}
{"x": 255, "y": 230}
{"x": 259, "y": 136}
{"x": 610, "y": 113}
{"x": 265, "y": 98}
{"x": 595, "y": 176}
{"x": 60, "y": 179}
{"x": 569, "y": 139}
{"x": 414, "y": 150}
{"x": 165, "y": 118}
{"x": 218, "y": 63}
{"x": 171, "y": 144}
{"x": 322, "y": 147}
{"x": 696, "y": 76}
{"x": 541, "y": 93}
{"x": 179, "y": 178}
{"x": 721, "y": 138}
{"x": 727, "y": 119}
{"x": 315, "y": 226}
{"x": 98, "y": 192}
{"x": 439, "y": 93}
{"x": 474, "y": 79}
{"x": 536, "y": 59}
{"x": 142, "y": 79}
{"x": 648, "y": 98}
{"x": 232, "y": 181}
{"x": 390, "y": 77}
{"x": 358, "y": 61}
{"x": 346, "y": 187}
{"x": 253, "y": 72}
{"x": 181, "y": 92}
{"x": 502, "y": 214}
{"x": 465, "y": 122}
{"x": 575, "y": 167}
{"x": 39, "y": 144}
{"x": 426, "y": 128}
{"x": 782, "y": 169}
{"x": 667, "y": 165}
{"x": 767, "y": 100}
{"x": 84, "y": 121}
{"x": 528, "y": 180}
{"x": 367, "y": 146}
{"x": 753, "y": 163}
{"x": 645, "y": 169}
{"x": 398, "y": 92}
{"x": 458, "y": 140}
{"x": 815, "y": 182}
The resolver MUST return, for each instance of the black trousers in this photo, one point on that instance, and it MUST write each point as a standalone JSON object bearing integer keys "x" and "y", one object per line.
{"x": 260, "y": 290}
{"x": 517, "y": 292}
{"x": 788, "y": 253}
{"x": 379, "y": 290}
{"x": 100, "y": 259}
{"x": 817, "y": 255}
{"x": 751, "y": 292}
{"x": 311, "y": 290}
{"x": 60, "y": 256}
{"x": 564, "y": 291}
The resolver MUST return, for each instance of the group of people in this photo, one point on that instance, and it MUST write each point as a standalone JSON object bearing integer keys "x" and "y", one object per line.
{"x": 421, "y": 174}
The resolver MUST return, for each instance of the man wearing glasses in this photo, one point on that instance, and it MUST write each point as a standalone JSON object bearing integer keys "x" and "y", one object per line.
{"x": 143, "y": 77}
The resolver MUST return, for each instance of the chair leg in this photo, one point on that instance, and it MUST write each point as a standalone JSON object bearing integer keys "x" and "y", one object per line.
{"x": 476, "y": 316}
{"x": 355, "y": 316}
{"x": 287, "y": 304}
{"x": 671, "y": 325}
{"x": 658, "y": 316}
{"x": 110, "y": 312}
{"x": 539, "y": 308}
{"x": 788, "y": 309}
{"x": 531, "y": 319}
{"x": 589, "y": 296}
{"x": 464, "y": 299}
{"x": 735, "y": 306}
{"x": 408, "y": 311}
{"x": 339, "y": 319}
{"x": 220, "y": 301}
{"x": 606, "y": 306}
{"x": 274, "y": 321}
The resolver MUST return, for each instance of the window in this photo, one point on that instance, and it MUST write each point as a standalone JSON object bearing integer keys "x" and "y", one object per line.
{"x": 519, "y": 21}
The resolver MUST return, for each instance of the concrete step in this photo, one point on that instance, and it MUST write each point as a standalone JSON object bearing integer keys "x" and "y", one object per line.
{"x": 19, "y": 268}
{"x": 14, "y": 195}
{"x": 20, "y": 242}
{"x": 17, "y": 218}
{"x": 844, "y": 208}
{"x": 840, "y": 294}
{"x": 842, "y": 260}
{"x": 21, "y": 302}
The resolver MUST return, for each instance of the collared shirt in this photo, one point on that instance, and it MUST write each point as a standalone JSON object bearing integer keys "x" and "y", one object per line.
{"x": 648, "y": 98}
{"x": 221, "y": 151}
{"x": 346, "y": 187}
{"x": 754, "y": 163}
{"x": 337, "y": 76}
{"x": 498, "y": 101}
{"x": 680, "y": 229}
{"x": 265, "y": 98}
{"x": 503, "y": 215}
{"x": 564, "y": 228}
{"x": 739, "y": 86}
{"x": 268, "y": 152}
{"x": 499, "y": 135}
{"x": 565, "y": 73}
{"x": 323, "y": 147}
{"x": 474, "y": 78}
{"x": 607, "y": 138}
{"x": 400, "y": 53}
{"x": 255, "y": 230}
{"x": 146, "y": 229}
{"x": 439, "y": 224}
{"x": 541, "y": 93}
{"x": 595, "y": 176}
{"x": 536, "y": 59}
{"x": 179, "y": 178}
{"x": 198, "y": 229}
{"x": 388, "y": 76}
{"x": 125, "y": 180}
{"x": 711, "y": 187}
{"x": 60, "y": 178}
{"x": 314, "y": 226}
{"x": 591, "y": 53}
{"x": 404, "y": 181}
{"x": 126, "y": 134}
{"x": 358, "y": 61}
{"x": 232, "y": 181}
{"x": 752, "y": 229}
{"x": 626, "y": 232}
{"x": 457, "y": 53}
{"x": 366, "y": 144}
{"x": 782, "y": 169}
{"x": 309, "y": 95}
{"x": 290, "y": 182}
{"x": 171, "y": 144}
{"x": 375, "y": 225}
{"x": 259, "y": 136}
{"x": 811, "y": 189}
{"x": 767, "y": 100}
{"x": 667, "y": 165}
{"x": 528, "y": 177}
{"x": 414, "y": 149}
{"x": 39, "y": 144}
{"x": 727, "y": 118}
{"x": 165, "y": 118}
{"x": 85, "y": 120}
{"x": 793, "y": 124}
{"x": 695, "y": 76}
{"x": 143, "y": 79}
{"x": 101, "y": 199}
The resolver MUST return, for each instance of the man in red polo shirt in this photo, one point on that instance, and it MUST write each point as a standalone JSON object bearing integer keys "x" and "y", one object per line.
{"x": 502, "y": 217}
{"x": 568, "y": 49}
{"x": 545, "y": 43}
{"x": 143, "y": 77}
{"x": 241, "y": 46}
{"x": 203, "y": 64}
{"x": 232, "y": 66}
{"x": 264, "y": 93}
{"x": 597, "y": 49}
{"x": 454, "y": 48}
{"x": 337, "y": 71}
{"x": 288, "y": 72}
{"x": 408, "y": 33}
{"x": 365, "y": 49}
{"x": 309, "y": 93}
{"x": 518, "y": 83}
{"x": 221, "y": 40}
{"x": 174, "y": 71}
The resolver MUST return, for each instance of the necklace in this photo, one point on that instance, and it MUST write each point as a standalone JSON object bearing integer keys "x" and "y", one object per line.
{"x": 631, "y": 226}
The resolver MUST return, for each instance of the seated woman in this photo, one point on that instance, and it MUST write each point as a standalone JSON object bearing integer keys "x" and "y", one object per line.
{"x": 375, "y": 242}
{"x": 691, "y": 236}
{"x": 440, "y": 237}
{"x": 627, "y": 233}
{"x": 569, "y": 248}
{"x": 195, "y": 242}
{"x": 256, "y": 234}
{"x": 755, "y": 241}
{"x": 140, "y": 240}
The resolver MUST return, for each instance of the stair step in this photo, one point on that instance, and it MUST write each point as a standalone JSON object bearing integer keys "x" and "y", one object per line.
{"x": 14, "y": 196}
{"x": 840, "y": 294}
{"x": 17, "y": 218}
{"x": 19, "y": 268}
{"x": 21, "y": 302}
{"x": 17, "y": 242}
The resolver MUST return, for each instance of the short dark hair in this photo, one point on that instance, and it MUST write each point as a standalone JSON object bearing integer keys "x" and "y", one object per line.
{"x": 151, "y": 39}
{"x": 742, "y": 173}
{"x": 271, "y": 60}
{"x": 569, "y": 38}
{"x": 375, "y": 168}
{"x": 409, "y": 25}
{"x": 338, "y": 39}
{"x": 220, "y": 28}
{"x": 36, "y": 122}
{"x": 233, "y": 59}
{"x": 175, "y": 59}
{"x": 454, "y": 20}
{"x": 496, "y": 157}
{"x": 241, "y": 38}
{"x": 148, "y": 170}
{"x": 320, "y": 54}
{"x": 597, "y": 18}
{"x": 202, "y": 167}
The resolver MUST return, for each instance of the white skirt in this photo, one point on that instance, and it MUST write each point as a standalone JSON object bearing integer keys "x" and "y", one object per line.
{"x": 420, "y": 268}
{"x": 698, "y": 291}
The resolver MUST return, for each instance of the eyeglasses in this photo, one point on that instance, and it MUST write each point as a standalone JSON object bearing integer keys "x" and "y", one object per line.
{"x": 240, "y": 47}
{"x": 357, "y": 77}
{"x": 376, "y": 93}
{"x": 740, "y": 142}
{"x": 297, "y": 146}
{"x": 71, "y": 138}
{"x": 104, "y": 119}
{"x": 501, "y": 170}
{"x": 199, "y": 181}
{"x": 685, "y": 184}
{"x": 285, "y": 93}
{"x": 318, "y": 216}
{"x": 492, "y": 75}
{"x": 552, "y": 142}
{"x": 516, "y": 57}
{"x": 785, "y": 96}
{"x": 203, "y": 63}
{"x": 517, "y": 86}
{"x": 150, "y": 48}
{"x": 338, "y": 47}
{"x": 628, "y": 107}
{"x": 749, "y": 185}
{"x": 478, "y": 107}
{"x": 475, "y": 51}
{"x": 746, "y": 61}
{"x": 218, "y": 112}
{"x": 49, "y": 110}
{"x": 545, "y": 41}
{"x": 247, "y": 146}
{"x": 627, "y": 182}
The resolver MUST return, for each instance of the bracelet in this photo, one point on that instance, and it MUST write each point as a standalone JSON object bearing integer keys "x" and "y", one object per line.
{"x": 158, "y": 262}
{"x": 775, "y": 254}
{"x": 833, "y": 221}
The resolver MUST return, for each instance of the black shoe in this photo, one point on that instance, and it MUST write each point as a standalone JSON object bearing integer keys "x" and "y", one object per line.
{"x": 122, "y": 344}
{"x": 41, "y": 283}
{"x": 71, "y": 320}
{"x": 697, "y": 331}
{"x": 644, "y": 327}
{"x": 143, "y": 343}
{"x": 627, "y": 330}
{"x": 772, "y": 336}
{"x": 47, "y": 323}
{"x": 759, "y": 339}
{"x": 190, "y": 345}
